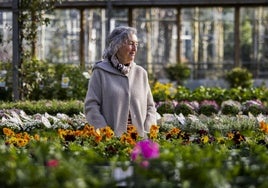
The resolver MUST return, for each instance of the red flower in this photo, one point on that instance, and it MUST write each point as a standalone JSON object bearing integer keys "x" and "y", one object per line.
{"x": 52, "y": 163}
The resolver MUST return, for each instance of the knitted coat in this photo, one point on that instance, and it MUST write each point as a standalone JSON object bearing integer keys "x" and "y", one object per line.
{"x": 112, "y": 95}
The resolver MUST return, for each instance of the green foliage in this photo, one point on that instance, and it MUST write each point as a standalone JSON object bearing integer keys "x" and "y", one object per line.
{"x": 178, "y": 72}
{"x": 37, "y": 76}
{"x": 165, "y": 107}
{"x": 163, "y": 92}
{"x": 183, "y": 93}
{"x": 43, "y": 80}
{"x": 239, "y": 77}
{"x": 205, "y": 93}
{"x": 52, "y": 107}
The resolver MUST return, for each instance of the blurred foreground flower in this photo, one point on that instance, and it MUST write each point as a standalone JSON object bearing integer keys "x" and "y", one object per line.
{"x": 52, "y": 163}
{"x": 143, "y": 151}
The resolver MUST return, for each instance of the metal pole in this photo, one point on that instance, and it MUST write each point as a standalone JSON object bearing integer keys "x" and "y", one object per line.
{"x": 179, "y": 26}
{"x": 16, "y": 52}
{"x": 237, "y": 62}
{"x": 109, "y": 15}
{"x": 82, "y": 40}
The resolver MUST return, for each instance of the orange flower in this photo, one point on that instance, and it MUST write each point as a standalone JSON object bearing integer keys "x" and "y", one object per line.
{"x": 8, "y": 132}
{"x": 127, "y": 139}
{"x": 264, "y": 126}
{"x": 89, "y": 128}
{"x": 98, "y": 137}
{"x": 154, "y": 129}
{"x": 131, "y": 128}
{"x": 175, "y": 131}
{"x": 20, "y": 139}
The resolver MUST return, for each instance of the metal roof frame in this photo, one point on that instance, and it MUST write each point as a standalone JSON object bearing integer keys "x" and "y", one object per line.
{"x": 148, "y": 3}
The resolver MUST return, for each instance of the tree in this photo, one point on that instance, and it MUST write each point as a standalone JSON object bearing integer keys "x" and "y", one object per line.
{"x": 31, "y": 16}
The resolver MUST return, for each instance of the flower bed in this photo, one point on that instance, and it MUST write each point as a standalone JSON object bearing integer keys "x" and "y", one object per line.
{"x": 181, "y": 151}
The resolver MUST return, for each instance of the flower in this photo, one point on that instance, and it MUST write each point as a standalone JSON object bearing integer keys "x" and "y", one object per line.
{"x": 52, "y": 163}
{"x": 144, "y": 151}
{"x": 264, "y": 126}
{"x": 154, "y": 130}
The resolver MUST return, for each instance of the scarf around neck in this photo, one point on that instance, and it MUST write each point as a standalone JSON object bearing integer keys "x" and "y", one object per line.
{"x": 119, "y": 66}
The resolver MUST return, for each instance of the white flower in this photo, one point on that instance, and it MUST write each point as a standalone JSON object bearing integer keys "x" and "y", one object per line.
{"x": 181, "y": 118}
{"x": 46, "y": 122}
{"x": 16, "y": 118}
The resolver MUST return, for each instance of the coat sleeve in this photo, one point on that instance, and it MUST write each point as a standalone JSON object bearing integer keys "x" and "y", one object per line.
{"x": 93, "y": 101}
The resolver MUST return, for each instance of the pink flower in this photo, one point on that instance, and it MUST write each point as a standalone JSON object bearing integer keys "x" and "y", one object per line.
{"x": 52, "y": 163}
{"x": 145, "y": 163}
{"x": 145, "y": 149}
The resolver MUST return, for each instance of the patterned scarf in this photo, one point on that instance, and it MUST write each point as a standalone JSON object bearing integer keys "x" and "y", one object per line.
{"x": 119, "y": 66}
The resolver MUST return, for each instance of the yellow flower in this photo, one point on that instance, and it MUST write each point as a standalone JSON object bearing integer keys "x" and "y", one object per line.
{"x": 37, "y": 137}
{"x": 21, "y": 142}
{"x": 230, "y": 135}
{"x": 205, "y": 139}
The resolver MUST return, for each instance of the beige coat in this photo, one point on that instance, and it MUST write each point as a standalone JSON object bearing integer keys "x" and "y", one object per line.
{"x": 111, "y": 95}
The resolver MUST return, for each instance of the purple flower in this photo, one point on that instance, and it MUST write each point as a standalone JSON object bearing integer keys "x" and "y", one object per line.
{"x": 145, "y": 149}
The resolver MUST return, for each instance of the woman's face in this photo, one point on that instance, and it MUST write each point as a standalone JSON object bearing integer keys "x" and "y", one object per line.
{"x": 126, "y": 54}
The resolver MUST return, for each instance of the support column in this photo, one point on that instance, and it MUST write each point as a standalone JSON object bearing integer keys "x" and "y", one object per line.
{"x": 179, "y": 35}
{"x": 16, "y": 59}
{"x": 237, "y": 49}
{"x": 130, "y": 17}
{"x": 82, "y": 40}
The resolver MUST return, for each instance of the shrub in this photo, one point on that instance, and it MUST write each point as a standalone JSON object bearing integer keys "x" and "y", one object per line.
{"x": 239, "y": 77}
{"x": 255, "y": 107}
{"x": 186, "y": 107}
{"x": 230, "y": 107}
{"x": 42, "y": 80}
{"x": 165, "y": 107}
{"x": 183, "y": 93}
{"x": 178, "y": 72}
{"x": 208, "y": 107}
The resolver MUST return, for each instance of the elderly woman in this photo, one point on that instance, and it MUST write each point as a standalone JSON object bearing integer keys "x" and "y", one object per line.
{"x": 119, "y": 93}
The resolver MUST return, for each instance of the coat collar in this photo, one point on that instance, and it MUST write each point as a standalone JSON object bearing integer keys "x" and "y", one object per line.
{"x": 106, "y": 66}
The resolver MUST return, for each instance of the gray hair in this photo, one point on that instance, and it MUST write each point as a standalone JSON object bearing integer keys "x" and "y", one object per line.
{"x": 116, "y": 39}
